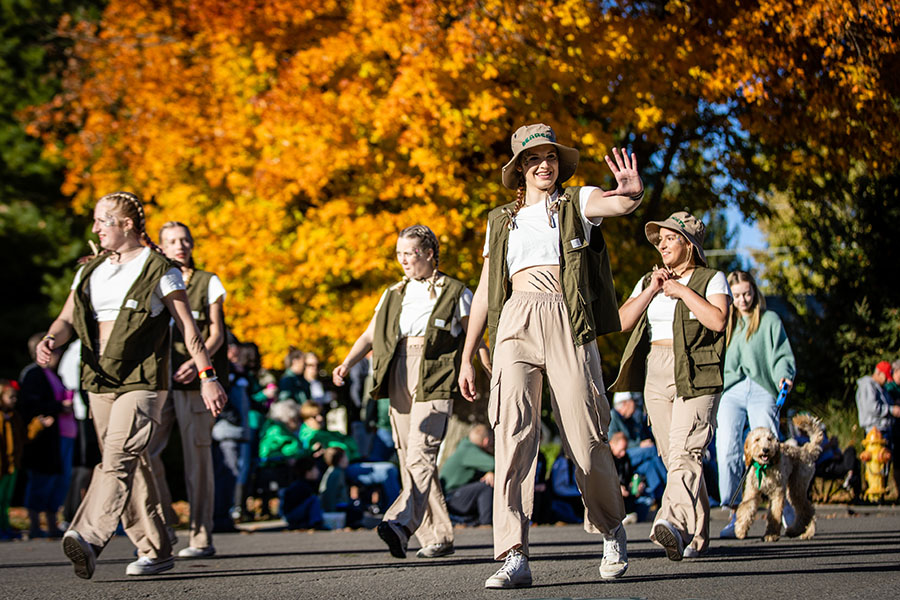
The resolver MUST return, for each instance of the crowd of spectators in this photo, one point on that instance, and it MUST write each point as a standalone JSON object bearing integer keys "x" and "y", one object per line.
{"x": 320, "y": 457}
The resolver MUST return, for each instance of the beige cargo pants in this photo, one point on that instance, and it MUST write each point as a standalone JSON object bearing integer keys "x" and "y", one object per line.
{"x": 418, "y": 430}
{"x": 534, "y": 337}
{"x": 195, "y": 424}
{"x": 683, "y": 429}
{"x": 123, "y": 485}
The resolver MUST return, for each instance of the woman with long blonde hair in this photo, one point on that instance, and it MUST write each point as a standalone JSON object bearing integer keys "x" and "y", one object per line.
{"x": 758, "y": 360}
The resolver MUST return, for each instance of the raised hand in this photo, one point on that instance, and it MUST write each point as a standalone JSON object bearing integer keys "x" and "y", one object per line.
{"x": 624, "y": 169}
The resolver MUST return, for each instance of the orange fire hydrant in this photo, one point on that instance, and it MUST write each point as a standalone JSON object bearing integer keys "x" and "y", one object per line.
{"x": 877, "y": 459}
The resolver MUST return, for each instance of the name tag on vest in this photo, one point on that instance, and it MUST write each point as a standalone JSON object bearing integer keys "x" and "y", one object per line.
{"x": 195, "y": 314}
{"x": 440, "y": 323}
{"x": 131, "y": 304}
{"x": 691, "y": 315}
{"x": 576, "y": 243}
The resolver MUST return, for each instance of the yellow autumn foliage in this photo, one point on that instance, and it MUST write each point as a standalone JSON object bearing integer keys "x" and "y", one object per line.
{"x": 297, "y": 138}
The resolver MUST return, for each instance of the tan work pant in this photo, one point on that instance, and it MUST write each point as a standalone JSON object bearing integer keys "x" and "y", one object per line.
{"x": 418, "y": 430}
{"x": 534, "y": 337}
{"x": 683, "y": 428}
{"x": 123, "y": 485}
{"x": 195, "y": 423}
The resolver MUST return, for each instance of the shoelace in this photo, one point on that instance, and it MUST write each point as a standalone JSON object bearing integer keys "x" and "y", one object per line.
{"x": 512, "y": 563}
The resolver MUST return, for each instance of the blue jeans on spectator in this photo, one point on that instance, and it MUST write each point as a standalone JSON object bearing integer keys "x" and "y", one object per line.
{"x": 646, "y": 462}
{"x": 745, "y": 401}
{"x": 384, "y": 474}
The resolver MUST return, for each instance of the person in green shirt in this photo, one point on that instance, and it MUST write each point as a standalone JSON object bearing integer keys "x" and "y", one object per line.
{"x": 758, "y": 360}
{"x": 279, "y": 441}
{"x": 468, "y": 477}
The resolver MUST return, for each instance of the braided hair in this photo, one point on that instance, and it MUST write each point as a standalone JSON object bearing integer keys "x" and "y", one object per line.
{"x": 520, "y": 192}
{"x": 427, "y": 240}
{"x": 131, "y": 207}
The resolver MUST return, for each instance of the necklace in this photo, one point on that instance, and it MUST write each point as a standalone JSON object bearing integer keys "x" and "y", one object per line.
{"x": 118, "y": 255}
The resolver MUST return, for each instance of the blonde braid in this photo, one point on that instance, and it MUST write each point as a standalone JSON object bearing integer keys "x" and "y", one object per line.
{"x": 133, "y": 208}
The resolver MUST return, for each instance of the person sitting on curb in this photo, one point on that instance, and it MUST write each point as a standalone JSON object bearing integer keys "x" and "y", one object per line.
{"x": 468, "y": 477}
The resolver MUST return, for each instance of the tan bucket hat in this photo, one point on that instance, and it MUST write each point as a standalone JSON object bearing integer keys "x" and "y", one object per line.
{"x": 529, "y": 136}
{"x": 684, "y": 223}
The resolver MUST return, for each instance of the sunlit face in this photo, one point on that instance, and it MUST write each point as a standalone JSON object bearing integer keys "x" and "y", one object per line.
{"x": 673, "y": 247}
{"x": 177, "y": 244}
{"x": 416, "y": 262}
{"x": 111, "y": 228}
{"x": 540, "y": 166}
{"x": 8, "y": 399}
{"x": 743, "y": 297}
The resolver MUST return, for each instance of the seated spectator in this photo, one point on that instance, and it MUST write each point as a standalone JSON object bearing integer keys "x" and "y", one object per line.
{"x": 279, "y": 441}
{"x": 333, "y": 488}
{"x": 292, "y": 385}
{"x": 630, "y": 482}
{"x": 834, "y": 463}
{"x": 566, "y": 504}
{"x": 12, "y": 441}
{"x": 642, "y": 452}
{"x": 468, "y": 478}
{"x": 300, "y": 506}
{"x": 872, "y": 402}
{"x": 316, "y": 438}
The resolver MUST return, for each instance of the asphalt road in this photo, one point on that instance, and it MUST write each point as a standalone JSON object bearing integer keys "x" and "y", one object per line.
{"x": 856, "y": 554}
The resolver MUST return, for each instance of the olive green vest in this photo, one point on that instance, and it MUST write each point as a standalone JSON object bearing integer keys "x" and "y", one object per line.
{"x": 699, "y": 352}
{"x": 441, "y": 359}
{"x": 587, "y": 280}
{"x": 198, "y": 298}
{"x": 136, "y": 356}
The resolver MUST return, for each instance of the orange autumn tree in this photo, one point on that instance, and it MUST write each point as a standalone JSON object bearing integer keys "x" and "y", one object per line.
{"x": 296, "y": 139}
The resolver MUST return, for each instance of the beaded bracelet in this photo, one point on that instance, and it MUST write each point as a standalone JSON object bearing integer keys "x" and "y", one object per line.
{"x": 209, "y": 379}
{"x": 49, "y": 336}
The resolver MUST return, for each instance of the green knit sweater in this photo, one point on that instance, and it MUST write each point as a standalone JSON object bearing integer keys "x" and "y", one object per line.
{"x": 765, "y": 358}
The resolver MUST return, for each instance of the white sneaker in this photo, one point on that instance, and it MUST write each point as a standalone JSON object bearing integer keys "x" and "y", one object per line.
{"x": 394, "y": 536}
{"x": 514, "y": 573}
{"x": 436, "y": 550}
{"x": 150, "y": 566}
{"x": 665, "y": 535}
{"x": 80, "y": 553}
{"x": 191, "y": 552}
{"x": 690, "y": 552}
{"x": 630, "y": 518}
{"x": 727, "y": 532}
{"x": 615, "y": 555}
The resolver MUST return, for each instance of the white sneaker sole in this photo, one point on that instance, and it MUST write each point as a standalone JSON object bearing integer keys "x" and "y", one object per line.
{"x": 79, "y": 557}
{"x": 161, "y": 567}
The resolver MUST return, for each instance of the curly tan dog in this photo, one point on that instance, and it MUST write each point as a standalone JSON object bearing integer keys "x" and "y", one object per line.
{"x": 775, "y": 468}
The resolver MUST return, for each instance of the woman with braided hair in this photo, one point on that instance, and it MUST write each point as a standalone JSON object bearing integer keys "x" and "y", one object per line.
{"x": 184, "y": 402}
{"x": 416, "y": 335}
{"x": 120, "y": 306}
{"x": 545, "y": 294}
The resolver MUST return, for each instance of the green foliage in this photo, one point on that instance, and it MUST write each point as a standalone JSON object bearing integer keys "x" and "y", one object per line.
{"x": 840, "y": 277}
{"x": 38, "y": 235}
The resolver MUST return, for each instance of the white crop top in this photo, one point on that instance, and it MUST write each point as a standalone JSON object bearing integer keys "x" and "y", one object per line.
{"x": 417, "y": 306}
{"x": 533, "y": 241}
{"x": 661, "y": 311}
{"x": 110, "y": 283}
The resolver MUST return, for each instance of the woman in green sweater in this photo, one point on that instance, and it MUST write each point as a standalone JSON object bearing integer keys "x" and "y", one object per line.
{"x": 758, "y": 360}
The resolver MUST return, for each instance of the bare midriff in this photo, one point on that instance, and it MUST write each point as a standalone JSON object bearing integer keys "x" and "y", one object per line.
{"x": 662, "y": 343}
{"x": 539, "y": 279}
{"x": 105, "y": 330}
